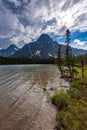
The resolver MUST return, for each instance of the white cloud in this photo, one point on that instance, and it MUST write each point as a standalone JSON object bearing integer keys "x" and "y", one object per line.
{"x": 9, "y": 22}
{"x": 70, "y": 14}
{"x": 29, "y": 35}
{"x": 79, "y": 44}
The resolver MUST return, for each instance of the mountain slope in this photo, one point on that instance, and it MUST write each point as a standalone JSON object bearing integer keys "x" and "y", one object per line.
{"x": 9, "y": 51}
{"x": 44, "y": 47}
{"x": 76, "y": 51}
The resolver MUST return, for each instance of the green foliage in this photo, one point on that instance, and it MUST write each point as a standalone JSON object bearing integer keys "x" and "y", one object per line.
{"x": 83, "y": 82}
{"x": 61, "y": 99}
{"x": 75, "y": 84}
{"x": 72, "y": 105}
{"x": 65, "y": 120}
{"x": 61, "y": 122}
{"x": 72, "y": 117}
{"x": 77, "y": 64}
{"x": 36, "y": 60}
{"x": 74, "y": 93}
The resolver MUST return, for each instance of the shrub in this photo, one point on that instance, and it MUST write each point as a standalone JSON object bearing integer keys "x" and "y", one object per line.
{"x": 75, "y": 84}
{"x": 61, "y": 99}
{"x": 74, "y": 93}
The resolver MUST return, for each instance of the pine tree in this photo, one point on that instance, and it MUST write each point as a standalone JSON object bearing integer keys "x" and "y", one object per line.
{"x": 68, "y": 55}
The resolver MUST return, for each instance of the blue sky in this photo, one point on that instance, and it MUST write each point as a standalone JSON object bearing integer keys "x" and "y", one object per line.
{"x": 23, "y": 21}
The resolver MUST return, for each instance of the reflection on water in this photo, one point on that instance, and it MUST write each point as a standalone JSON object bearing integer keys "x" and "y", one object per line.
{"x": 21, "y": 96}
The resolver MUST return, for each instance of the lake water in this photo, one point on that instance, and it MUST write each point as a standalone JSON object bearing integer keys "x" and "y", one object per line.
{"x": 23, "y": 103}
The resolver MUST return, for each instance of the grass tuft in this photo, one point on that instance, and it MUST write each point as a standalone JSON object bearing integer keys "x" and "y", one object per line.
{"x": 61, "y": 99}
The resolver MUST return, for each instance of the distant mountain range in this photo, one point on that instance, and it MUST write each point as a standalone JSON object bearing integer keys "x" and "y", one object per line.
{"x": 11, "y": 50}
{"x": 44, "y": 47}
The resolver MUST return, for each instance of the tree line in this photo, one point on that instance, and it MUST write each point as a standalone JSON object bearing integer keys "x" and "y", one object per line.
{"x": 11, "y": 61}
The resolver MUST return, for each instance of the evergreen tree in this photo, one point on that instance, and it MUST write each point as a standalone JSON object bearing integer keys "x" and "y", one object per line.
{"x": 68, "y": 55}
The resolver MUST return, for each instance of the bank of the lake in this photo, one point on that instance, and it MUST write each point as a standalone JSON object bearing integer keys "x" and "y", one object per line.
{"x": 72, "y": 105}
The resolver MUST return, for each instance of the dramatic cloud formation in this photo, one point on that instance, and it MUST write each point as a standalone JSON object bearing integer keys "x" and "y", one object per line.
{"x": 22, "y": 21}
